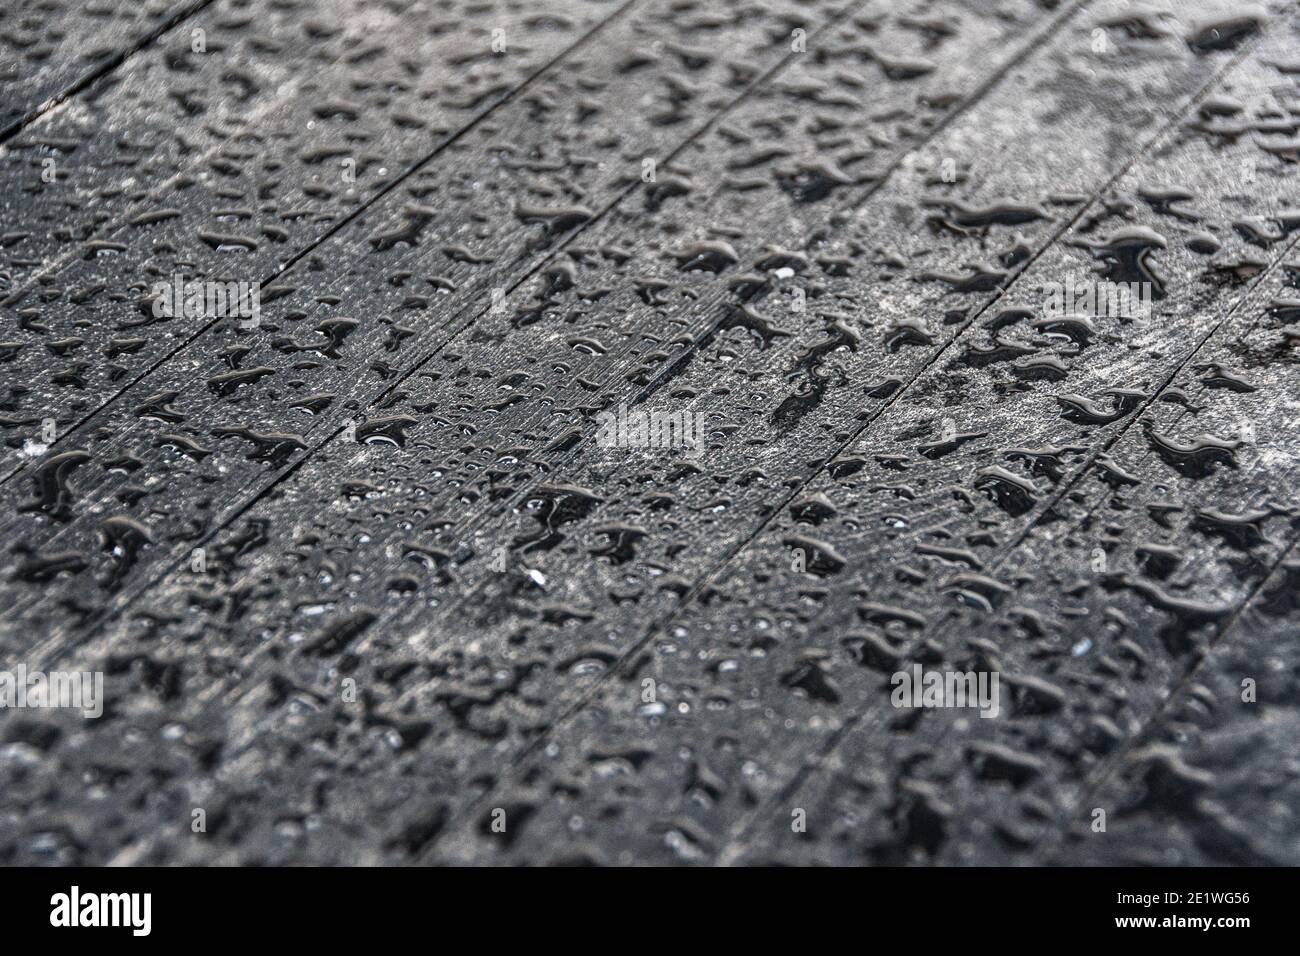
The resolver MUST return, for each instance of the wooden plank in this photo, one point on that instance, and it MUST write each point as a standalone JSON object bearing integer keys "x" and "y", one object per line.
{"x": 301, "y": 143}
{"x": 497, "y": 589}
{"x": 1112, "y": 603}
{"x": 210, "y": 699}
{"x": 1106, "y": 593}
{"x": 257, "y": 387}
{"x": 821, "y": 612}
{"x": 49, "y": 49}
{"x": 1210, "y": 783}
{"x": 280, "y": 120}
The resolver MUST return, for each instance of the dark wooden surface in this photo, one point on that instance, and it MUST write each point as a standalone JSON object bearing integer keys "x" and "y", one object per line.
{"x": 412, "y": 502}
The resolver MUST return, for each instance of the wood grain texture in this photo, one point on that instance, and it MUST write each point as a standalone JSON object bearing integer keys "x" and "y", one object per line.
{"x": 363, "y": 579}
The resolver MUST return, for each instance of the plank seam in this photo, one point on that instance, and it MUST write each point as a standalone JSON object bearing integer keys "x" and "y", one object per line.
{"x": 93, "y": 625}
{"x": 103, "y": 69}
{"x": 686, "y": 599}
{"x": 1109, "y": 766}
{"x": 283, "y": 272}
{"x": 680, "y": 362}
{"x": 734, "y": 847}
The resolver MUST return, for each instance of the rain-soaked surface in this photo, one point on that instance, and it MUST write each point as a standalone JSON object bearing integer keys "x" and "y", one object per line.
{"x": 517, "y": 432}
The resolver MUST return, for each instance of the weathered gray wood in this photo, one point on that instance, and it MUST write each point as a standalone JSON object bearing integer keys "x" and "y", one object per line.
{"x": 251, "y": 108}
{"x": 1104, "y": 640}
{"x": 905, "y": 96}
{"x": 301, "y": 144}
{"x": 246, "y": 390}
{"x": 377, "y": 560}
{"x": 891, "y": 573}
{"x": 1212, "y": 782}
{"x": 52, "y": 48}
{"x": 1131, "y": 563}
